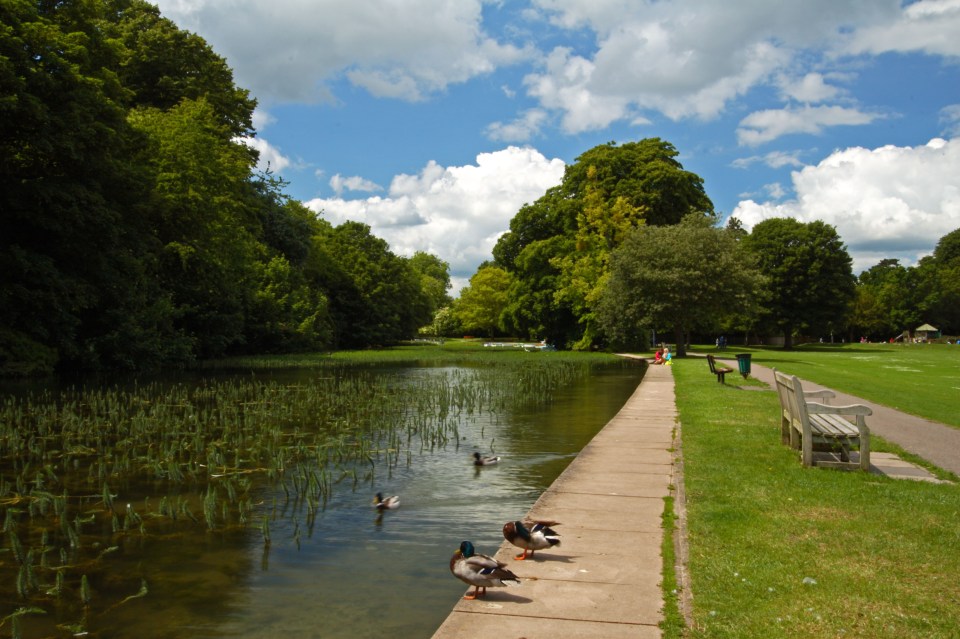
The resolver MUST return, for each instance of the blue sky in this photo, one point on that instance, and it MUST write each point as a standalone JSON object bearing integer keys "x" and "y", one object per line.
{"x": 433, "y": 121}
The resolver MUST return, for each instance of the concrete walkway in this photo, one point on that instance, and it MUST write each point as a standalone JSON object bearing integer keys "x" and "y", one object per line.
{"x": 937, "y": 443}
{"x": 603, "y": 581}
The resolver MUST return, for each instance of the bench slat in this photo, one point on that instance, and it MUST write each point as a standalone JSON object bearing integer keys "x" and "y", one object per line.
{"x": 833, "y": 426}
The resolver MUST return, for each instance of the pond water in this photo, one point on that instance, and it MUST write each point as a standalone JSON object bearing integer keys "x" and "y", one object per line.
{"x": 345, "y": 570}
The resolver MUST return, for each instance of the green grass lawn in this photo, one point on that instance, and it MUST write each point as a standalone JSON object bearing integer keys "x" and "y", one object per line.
{"x": 779, "y": 550}
{"x": 920, "y": 379}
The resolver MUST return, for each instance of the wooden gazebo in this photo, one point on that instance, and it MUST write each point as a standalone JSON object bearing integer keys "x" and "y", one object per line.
{"x": 926, "y": 333}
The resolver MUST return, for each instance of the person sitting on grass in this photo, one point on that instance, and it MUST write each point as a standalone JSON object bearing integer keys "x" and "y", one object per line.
{"x": 667, "y": 356}
{"x": 658, "y": 356}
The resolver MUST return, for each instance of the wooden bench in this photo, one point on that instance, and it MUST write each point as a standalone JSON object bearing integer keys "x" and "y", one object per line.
{"x": 805, "y": 424}
{"x": 719, "y": 371}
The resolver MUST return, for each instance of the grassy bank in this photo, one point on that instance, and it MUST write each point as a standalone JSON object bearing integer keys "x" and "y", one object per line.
{"x": 777, "y": 550}
{"x": 920, "y": 379}
{"x": 457, "y": 351}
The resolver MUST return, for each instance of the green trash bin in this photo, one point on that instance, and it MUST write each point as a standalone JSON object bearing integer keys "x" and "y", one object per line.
{"x": 743, "y": 361}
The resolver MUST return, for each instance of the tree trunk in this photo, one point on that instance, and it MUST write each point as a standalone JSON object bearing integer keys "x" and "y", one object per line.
{"x": 679, "y": 339}
{"x": 788, "y": 338}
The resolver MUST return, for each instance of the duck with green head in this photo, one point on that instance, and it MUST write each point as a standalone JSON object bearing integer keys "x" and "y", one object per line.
{"x": 480, "y": 460}
{"x": 386, "y": 503}
{"x": 531, "y": 536}
{"x": 479, "y": 571}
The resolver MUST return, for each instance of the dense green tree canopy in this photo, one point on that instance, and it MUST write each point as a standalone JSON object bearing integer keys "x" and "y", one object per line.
{"x": 811, "y": 283}
{"x": 376, "y": 296}
{"x": 684, "y": 277}
{"x": 135, "y": 231}
{"x": 886, "y": 301}
{"x": 434, "y": 279}
{"x": 646, "y": 174}
{"x": 557, "y": 250}
{"x": 482, "y": 303}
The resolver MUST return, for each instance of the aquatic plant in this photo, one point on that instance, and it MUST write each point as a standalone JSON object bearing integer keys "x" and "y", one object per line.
{"x": 90, "y": 470}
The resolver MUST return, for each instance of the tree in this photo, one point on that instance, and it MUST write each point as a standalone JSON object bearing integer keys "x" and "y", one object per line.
{"x": 482, "y": 303}
{"x": 646, "y": 174}
{"x": 938, "y": 284}
{"x": 75, "y": 256}
{"x": 375, "y": 296}
{"x": 601, "y": 226}
{"x": 557, "y": 248}
{"x": 810, "y": 275}
{"x": 198, "y": 210}
{"x": 434, "y": 279}
{"x": 444, "y": 324}
{"x": 947, "y": 250}
{"x": 886, "y": 300}
{"x": 683, "y": 277}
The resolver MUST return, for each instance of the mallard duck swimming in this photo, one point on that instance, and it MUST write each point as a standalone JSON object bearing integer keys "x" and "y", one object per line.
{"x": 532, "y": 536}
{"x": 479, "y": 571}
{"x": 386, "y": 504}
{"x": 480, "y": 460}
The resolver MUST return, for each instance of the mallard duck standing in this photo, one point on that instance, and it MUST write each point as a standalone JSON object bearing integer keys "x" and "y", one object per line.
{"x": 479, "y": 571}
{"x": 386, "y": 504}
{"x": 480, "y": 460}
{"x": 531, "y": 536}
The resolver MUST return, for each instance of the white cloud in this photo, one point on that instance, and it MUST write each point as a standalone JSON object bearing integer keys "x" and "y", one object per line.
{"x": 288, "y": 50}
{"x": 774, "y": 159}
{"x": 885, "y": 202}
{"x": 775, "y": 190}
{"x": 808, "y": 89}
{"x": 950, "y": 118}
{"x": 692, "y": 59}
{"x": 764, "y": 126}
{"x": 356, "y": 183}
{"x": 566, "y": 87}
{"x": 928, "y": 26}
{"x": 456, "y": 213}
{"x": 522, "y": 129}
{"x": 270, "y": 157}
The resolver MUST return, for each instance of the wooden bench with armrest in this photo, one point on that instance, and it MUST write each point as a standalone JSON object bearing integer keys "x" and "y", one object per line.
{"x": 806, "y": 423}
{"x": 719, "y": 371}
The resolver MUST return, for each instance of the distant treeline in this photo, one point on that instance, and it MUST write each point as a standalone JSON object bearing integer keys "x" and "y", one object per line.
{"x": 135, "y": 229}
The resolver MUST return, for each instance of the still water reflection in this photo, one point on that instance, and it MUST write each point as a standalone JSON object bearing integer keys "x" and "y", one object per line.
{"x": 355, "y": 572}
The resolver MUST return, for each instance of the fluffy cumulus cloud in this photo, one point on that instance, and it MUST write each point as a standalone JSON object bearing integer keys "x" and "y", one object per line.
{"x": 594, "y": 63}
{"x": 691, "y": 59}
{"x": 456, "y": 213}
{"x": 522, "y": 129}
{"x": 339, "y": 184}
{"x": 929, "y": 26}
{"x": 289, "y": 50}
{"x": 885, "y": 202}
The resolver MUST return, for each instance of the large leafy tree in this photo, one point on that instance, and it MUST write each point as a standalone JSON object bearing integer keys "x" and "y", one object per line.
{"x": 601, "y": 226}
{"x": 682, "y": 277}
{"x": 376, "y": 297}
{"x": 557, "y": 249}
{"x": 886, "y": 301}
{"x": 198, "y": 210}
{"x": 811, "y": 282}
{"x": 646, "y": 174}
{"x": 481, "y": 304}
{"x": 75, "y": 258}
{"x": 163, "y": 65}
{"x": 938, "y": 278}
{"x": 134, "y": 231}
{"x": 434, "y": 279}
